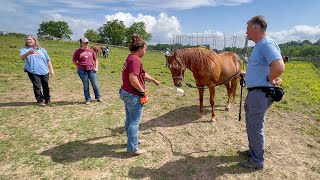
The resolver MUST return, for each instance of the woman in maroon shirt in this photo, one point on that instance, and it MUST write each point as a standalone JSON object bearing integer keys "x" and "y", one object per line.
{"x": 87, "y": 62}
{"x": 133, "y": 88}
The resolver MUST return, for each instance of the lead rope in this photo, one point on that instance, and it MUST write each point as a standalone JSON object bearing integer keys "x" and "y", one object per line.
{"x": 191, "y": 86}
{"x": 242, "y": 84}
{"x": 242, "y": 81}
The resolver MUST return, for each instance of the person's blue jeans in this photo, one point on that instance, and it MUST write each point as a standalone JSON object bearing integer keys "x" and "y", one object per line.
{"x": 256, "y": 106}
{"x": 85, "y": 76}
{"x": 134, "y": 111}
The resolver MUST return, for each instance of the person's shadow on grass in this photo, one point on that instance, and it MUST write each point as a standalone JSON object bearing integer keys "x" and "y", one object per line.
{"x": 176, "y": 117}
{"x": 189, "y": 167}
{"x": 21, "y": 104}
{"x": 80, "y": 149}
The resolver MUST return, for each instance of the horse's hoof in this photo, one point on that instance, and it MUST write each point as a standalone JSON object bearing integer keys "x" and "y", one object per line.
{"x": 227, "y": 108}
{"x": 213, "y": 119}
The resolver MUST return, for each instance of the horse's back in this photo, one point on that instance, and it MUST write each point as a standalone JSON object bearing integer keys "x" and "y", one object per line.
{"x": 96, "y": 48}
{"x": 230, "y": 59}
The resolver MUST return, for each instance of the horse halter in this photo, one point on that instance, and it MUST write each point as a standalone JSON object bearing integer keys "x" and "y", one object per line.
{"x": 180, "y": 77}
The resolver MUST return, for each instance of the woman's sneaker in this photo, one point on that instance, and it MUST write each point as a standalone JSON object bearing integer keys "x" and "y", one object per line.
{"x": 137, "y": 153}
{"x": 47, "y": 102}
{"x": 41, "y": 103}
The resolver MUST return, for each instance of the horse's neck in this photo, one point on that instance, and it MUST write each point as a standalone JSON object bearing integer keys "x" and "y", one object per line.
{"x": 195, "y": 66}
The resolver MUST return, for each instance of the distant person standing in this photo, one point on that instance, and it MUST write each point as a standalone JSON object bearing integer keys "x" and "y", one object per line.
{"x": 87, "y": 62}
{"x": 263, "y": 72}
{"x": 107, "y": 52}
{"x": 167, "y": 54}
{"x": 133, "y": 91}
{"x": 38, "y": 66}
{"x": 103, "y": 49}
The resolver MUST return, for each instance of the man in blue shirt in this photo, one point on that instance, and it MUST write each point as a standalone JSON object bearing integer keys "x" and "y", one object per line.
{"x": 264, "y": 69}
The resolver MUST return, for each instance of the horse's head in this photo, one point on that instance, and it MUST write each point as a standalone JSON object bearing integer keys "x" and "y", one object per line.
{"x": 285, "y": 59}
{"x": 177, "y": 68}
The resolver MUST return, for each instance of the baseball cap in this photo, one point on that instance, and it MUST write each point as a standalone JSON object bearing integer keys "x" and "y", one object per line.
{"x": 84, "y": 40}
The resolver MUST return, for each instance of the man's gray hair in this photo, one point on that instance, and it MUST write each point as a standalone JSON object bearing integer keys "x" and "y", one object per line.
{"x": 259, "y": 21}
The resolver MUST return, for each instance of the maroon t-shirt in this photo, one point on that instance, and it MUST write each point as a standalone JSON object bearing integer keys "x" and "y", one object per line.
{"x": 132, "y": 65}
{"x": 85, "y": 58}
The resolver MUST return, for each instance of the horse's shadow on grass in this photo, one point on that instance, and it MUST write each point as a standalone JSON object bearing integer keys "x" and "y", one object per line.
{"x": 80, "y": 149}
{"x": 55, "y": 103}
{"x": 189, "y": 167}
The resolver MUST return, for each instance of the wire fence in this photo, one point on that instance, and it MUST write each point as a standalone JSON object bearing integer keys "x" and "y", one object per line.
{"x": 214, "y": 41}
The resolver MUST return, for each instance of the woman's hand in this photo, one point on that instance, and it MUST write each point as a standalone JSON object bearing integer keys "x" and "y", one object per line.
{"x": 31, "y": 51}
{"x": 156, "y": 82}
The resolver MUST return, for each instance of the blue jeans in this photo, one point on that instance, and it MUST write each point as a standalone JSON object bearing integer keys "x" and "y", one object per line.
{"x": 133, "y": 117}
{"x": 85, "y": 76}
{"x": 256, "y": 106}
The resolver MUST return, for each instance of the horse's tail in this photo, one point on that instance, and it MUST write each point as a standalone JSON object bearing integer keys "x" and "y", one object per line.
{"x": 241, "y": 64}
{"x": 234, "y": 82}
{"x": 238, "y": 62}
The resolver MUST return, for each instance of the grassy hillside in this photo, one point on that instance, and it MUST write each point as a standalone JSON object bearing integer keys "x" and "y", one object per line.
{"x": 70, "y": 140}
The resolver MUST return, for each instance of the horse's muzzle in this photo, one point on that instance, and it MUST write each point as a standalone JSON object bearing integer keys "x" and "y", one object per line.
{"x": 178, "y": 84}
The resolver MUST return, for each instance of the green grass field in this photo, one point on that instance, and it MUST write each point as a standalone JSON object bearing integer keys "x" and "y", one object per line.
{"x": 70, "y": 140}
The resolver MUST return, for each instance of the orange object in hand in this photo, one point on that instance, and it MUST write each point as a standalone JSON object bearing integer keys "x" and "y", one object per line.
{"x": 144, "y": 99}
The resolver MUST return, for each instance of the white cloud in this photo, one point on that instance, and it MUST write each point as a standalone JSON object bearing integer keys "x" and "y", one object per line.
{"x": 161, "y": 27}
{"x": 301, "y": 32}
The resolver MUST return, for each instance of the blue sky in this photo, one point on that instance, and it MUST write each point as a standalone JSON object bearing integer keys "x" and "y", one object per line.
{"x": 287, "y": 19}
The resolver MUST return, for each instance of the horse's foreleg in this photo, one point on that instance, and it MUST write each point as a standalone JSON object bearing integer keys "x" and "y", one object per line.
{"x": 229, "y": 91}
{"x": 212, "y": 94}
{"x": 201, "y": 99}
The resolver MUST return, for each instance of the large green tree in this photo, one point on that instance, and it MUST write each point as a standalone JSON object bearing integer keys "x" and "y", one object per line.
{"x": 59, "y": 29}
{"x": 92, "y": 35}
{"x": 113, "y": 32}
{"x": 137, "y": 28}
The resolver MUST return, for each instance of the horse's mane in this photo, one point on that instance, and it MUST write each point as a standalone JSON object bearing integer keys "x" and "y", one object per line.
{"x": 202, "y": 56}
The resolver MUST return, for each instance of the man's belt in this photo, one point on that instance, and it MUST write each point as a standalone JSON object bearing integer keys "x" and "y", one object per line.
{"x": 264, "y": 89}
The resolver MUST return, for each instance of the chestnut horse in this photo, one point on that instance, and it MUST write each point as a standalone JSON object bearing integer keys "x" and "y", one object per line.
{"x": 209, "y": 69}
{"x": 285, "y": 59}
{"x": 97, "y": 49}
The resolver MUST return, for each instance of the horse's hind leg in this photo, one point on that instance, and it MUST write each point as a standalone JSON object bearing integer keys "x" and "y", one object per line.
{"x": 212, "y": 94}
{"x": 229, "y": 91}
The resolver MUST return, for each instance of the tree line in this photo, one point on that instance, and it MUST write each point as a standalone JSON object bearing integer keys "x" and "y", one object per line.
{"x": 113, "y": 32}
